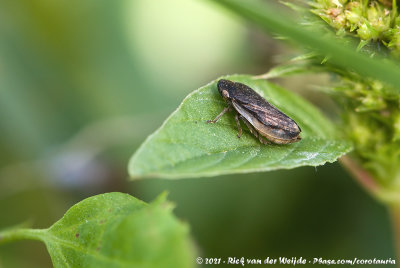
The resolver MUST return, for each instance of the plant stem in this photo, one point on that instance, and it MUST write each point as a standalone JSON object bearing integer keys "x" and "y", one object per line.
{"x": 14, "y": 234}
{"x": 395, "y": 217}
{"x": 361, "y": 175}
{"x": 368, "y": 183}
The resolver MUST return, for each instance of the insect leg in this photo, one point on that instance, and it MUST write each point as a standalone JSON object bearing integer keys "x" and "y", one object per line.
{"x": 226, "y": 109}
{"x": 253, "y": 131}
{"x": 263, "y": 141}
{"x": 238, "y": 125}
{"x": 249, "y": 126}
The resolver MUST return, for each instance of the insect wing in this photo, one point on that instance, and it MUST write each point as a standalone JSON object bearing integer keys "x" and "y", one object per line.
{"x": 273, "y": 118}
{"x": 250, "y": 104}
{"x": 244, "y": 94}
{"x": 244, "y": 112}
{"x": 264, "y": 117}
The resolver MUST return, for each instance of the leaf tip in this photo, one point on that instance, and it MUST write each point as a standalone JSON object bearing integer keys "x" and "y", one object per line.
{"x": 161, "y": 201}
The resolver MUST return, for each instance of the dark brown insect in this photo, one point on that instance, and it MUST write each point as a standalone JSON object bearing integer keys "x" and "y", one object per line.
{"x": 262, "y": 119}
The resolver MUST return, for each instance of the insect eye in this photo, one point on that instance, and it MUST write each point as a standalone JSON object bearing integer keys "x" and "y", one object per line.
{"x": 225, "y": 94}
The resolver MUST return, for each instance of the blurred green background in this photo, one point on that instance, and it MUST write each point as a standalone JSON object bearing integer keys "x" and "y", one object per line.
{"x": 82, "y": 83}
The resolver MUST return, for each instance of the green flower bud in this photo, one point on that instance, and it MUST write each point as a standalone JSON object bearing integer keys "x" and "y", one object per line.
{"x": 371, "y": 102}
{"x": 355, "y": 7}
{"x": 396, "y": 127}
{"x": 397, "y": 22}
{"x": 340, "y": 21}
{"x": 373, "y": 14}
{"x": 394, "y": 43}
{"x": 359, "y": 132}
{"x": 352, "y": 17}
{"x": 377, "y": 86}
{"x": 364, "y": 32}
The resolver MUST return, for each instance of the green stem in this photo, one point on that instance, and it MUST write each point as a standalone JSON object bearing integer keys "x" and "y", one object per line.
{"x": 368, "y": 183}
{"x": 268, "y": 17}
{"x": 394, "y": 11}
{"x": 364, "y": 178}
{"x": 395, "y": 218}
{"x": 15, "y": 234}
{"x": 361, "y": 176}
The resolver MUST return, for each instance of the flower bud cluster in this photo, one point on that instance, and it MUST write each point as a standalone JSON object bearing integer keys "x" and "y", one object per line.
{"x": 372, "y": 122}
{"x": 371, "y": 109}
{"x": 371, "y": 21}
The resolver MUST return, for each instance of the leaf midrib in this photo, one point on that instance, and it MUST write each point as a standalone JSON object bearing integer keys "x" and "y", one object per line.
{"x": 294, "y": 147}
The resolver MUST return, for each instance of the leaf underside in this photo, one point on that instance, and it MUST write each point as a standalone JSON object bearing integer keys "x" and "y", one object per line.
{"x": 186, "y": 146}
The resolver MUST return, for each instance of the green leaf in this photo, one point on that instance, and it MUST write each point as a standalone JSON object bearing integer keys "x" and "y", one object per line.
{"x": 115, "y": 230}
{"x": 288, "y": 70}
{"x": 186, "y": 146}
{"x": 267, "y": 16}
